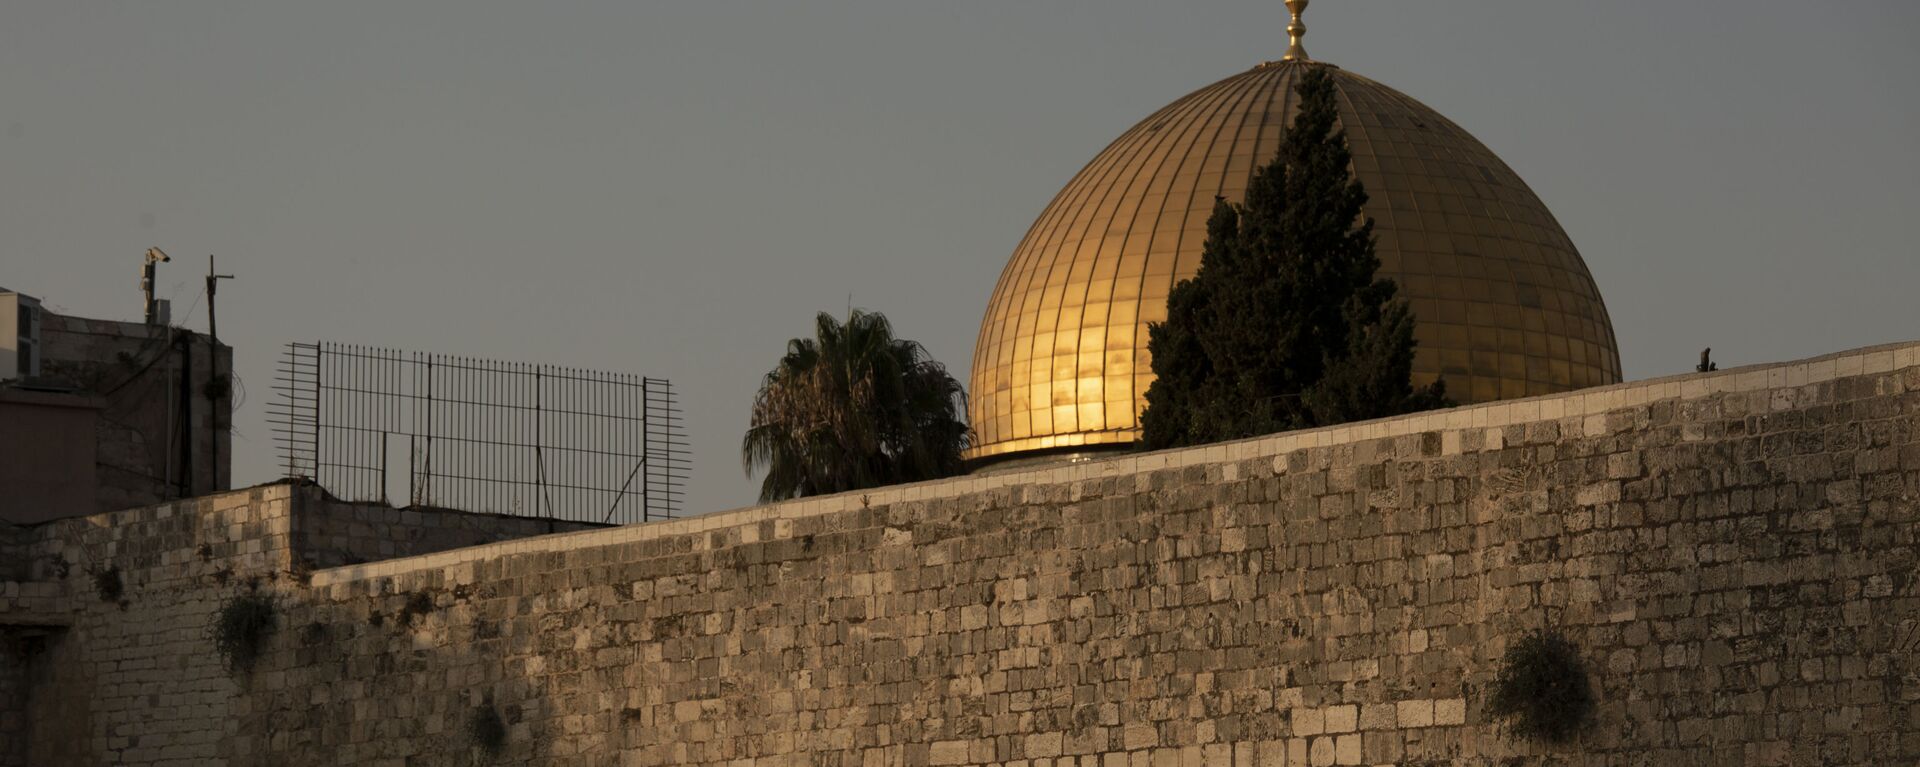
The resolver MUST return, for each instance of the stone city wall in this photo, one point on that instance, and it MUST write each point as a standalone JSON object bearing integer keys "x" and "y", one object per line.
{"x": 128, "y": 678}
{"x": 93, "y": 674}
{"x": 1733, "y": 554}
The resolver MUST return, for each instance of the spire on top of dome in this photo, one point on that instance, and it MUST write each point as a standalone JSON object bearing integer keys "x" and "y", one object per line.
{"x": 1296, "y": 29}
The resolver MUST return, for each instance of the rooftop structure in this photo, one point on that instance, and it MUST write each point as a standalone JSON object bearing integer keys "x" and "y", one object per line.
{"x": 98, "y": 415}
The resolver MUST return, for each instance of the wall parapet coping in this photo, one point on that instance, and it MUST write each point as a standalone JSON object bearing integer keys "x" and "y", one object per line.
{"x": 1583, "y": 403}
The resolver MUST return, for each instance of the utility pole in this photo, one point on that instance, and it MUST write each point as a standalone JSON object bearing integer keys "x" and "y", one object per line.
{"x": 213, "y": 283}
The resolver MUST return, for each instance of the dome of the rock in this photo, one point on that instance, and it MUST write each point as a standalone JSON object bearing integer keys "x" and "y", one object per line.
{"x": 1504, "y": 305}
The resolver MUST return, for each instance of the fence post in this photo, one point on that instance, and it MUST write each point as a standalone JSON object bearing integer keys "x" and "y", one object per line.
{"x": 319, "y": 399}
{"x": 646, "y": 448}
{"x": 539, "y": 435}
{"x": 413, "y": 470}
{"x": 426, "y": 467}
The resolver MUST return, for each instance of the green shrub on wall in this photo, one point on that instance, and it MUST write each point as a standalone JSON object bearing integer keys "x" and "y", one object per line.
{"x": 1542, "y": 689}
{"x": 241, "y": 628}
{"x": 418, "y": 606}
{"x": 107, "y": 583}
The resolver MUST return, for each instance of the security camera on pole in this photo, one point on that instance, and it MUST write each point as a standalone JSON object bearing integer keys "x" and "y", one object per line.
{"x": 156, "y": 310}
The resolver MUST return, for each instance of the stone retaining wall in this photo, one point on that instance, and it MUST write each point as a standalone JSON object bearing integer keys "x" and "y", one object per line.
{"x": 89, "y": 677}
{"x": 1733, "y": 554}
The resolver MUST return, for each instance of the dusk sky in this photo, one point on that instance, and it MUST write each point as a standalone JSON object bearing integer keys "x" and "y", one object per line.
{"x": 674, "y": 189}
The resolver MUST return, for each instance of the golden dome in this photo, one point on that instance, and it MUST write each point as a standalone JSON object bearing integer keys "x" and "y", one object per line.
{"x": 1504, "y": 306}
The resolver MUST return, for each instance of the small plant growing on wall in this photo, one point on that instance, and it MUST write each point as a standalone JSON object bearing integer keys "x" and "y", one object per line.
{"x": 107, "y": 584}
{"x": 486, "y": 728}
{"x": 241, "y": 628}
{"x": 1542, "y": 688}
{"x": 418, "y": 606}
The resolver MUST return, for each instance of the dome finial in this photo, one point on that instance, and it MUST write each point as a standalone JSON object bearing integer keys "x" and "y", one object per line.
{"x": 1296, "y": 29}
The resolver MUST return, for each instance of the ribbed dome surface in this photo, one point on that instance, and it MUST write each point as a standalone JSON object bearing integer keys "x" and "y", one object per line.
{"x": 1504, "y": 305}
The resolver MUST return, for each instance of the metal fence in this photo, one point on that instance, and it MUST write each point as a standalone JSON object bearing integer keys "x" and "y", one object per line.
{"x": 372, "y": 424}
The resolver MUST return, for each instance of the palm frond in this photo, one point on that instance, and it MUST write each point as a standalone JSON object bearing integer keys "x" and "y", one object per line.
{"x": 854, "y": 407}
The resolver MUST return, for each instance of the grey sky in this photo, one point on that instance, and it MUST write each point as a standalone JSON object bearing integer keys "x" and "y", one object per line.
{"x": 674, "y": 189}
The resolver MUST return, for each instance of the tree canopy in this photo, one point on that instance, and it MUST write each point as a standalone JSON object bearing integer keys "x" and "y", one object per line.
{"x": 1286, "y": 324}
{"x": 854, "y": 407}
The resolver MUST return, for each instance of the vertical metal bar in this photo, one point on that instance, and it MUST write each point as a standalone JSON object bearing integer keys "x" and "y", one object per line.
{"x": 357, "y": 430}
{"x": 363, "y": 405}
{"x": 343, "y": 421}
{"x": 600, "y": 429}
{"x": 319, "y": 402}
{"x": 361, "y": 400}
{"x": 426, "y": 487}
{"x": 566, "y": 472}
{"x": 349, "y": 360}
{"x": 595, "y": 437}
{"x": 539, "y": 436}
{"x": 527, "y": 435}
{"x": 523, "y": 480}
{"x": 519, "y": 436}
{"x": 494, "y": 480}
{"x": 471, "y": 384}
{"x": 626, "y": 441}
{"x": 396, "y": 408}
{"x": 476, "y": 426}
{"x": 357, "y": 458}
{"x": 570, "y": 472}
{"x": 355, "y": 441}
{"x": 416, "y": 458}
{"x": 646, "y": 449}
{"x": 457, "y": 431}
{"x": 623, "y": 399}
{"x": 578, "y": 401}
{"x": 496, "y": 487}
{"x": 487, "y": 490}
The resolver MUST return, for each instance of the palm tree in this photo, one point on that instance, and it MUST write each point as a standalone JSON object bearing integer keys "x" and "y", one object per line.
{"x": 853, "y": 407}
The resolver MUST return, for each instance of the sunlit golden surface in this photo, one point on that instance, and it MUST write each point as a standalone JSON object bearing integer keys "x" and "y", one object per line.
{"x": 1505, "y": 306}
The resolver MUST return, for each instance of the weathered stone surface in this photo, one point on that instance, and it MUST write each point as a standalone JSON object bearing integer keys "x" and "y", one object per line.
{"x": 1733, "y": 553}
{"x": 134, "y": 679}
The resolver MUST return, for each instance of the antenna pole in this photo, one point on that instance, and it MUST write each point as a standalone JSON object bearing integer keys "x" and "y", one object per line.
{"x": 213, "y": 284}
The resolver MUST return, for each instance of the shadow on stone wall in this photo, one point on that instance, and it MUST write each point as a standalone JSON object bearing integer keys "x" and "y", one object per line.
{"x": 395, "y": 670}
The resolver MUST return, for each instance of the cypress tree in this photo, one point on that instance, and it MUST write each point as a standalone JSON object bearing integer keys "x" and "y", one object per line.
{"x": 1286, "y": 324}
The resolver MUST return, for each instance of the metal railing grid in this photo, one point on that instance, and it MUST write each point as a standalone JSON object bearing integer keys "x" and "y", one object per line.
{"x": 375, "y": 424}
